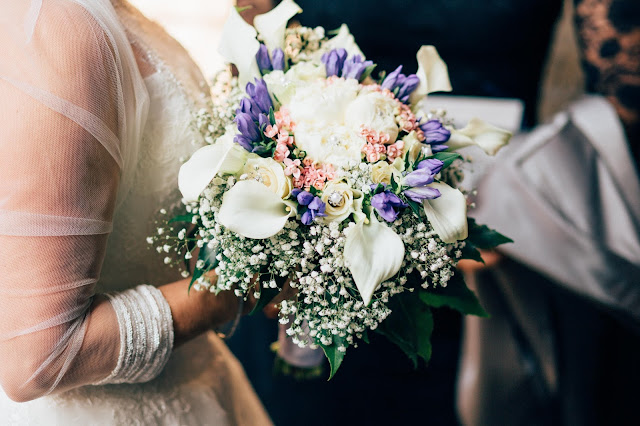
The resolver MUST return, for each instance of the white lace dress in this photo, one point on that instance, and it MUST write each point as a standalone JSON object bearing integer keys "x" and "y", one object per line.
{"x": 202, "y": 383}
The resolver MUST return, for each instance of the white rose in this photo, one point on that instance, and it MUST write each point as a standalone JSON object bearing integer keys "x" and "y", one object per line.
{"x": 323, "y": 102}
{"x": 329, "y": 143}
{"x": 283, "y": 86}
{"x": 268, "y": 172}
{"x": 381, "y": 172}
{"x": 341, "y": 200}
{"x": 374, "y": 111}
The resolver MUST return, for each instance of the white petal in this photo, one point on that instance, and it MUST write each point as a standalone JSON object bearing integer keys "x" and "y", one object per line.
{"x": 432, "y": 72}
{"x": 238, "y": 45}
{"x": 271, "y": 25}
{"x": 477, "y": 132}
{"x": 374, "y": 254}
{"x": 225, "y": 156}
{"x": 344, "y": 39}
{"x": 447, "y": 213}
{"x": 250, "y": 209}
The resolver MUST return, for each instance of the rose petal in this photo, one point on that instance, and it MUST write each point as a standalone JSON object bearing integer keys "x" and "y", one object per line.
{"x": 447, "y": 213}
{"x": 477, "y": 132}
{"x": 238, "y": 45}
{"x": 374, "y": 254}
{"x": 271, "y": 25}
{"x": 432, "y": 72}
{"x": 224, "y": 156}
{"x": 250, "y": 209}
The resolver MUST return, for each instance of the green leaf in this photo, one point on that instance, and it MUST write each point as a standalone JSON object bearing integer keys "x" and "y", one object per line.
{"x": 416, "y": 208}
{"x": 272, "y": 117}
{"x": 367, "y": 72}
{"x": 456, "y": 295}
{"x": 469, "y": 251}
{"x": 209, "y": 257}
{"x": 241, "y": 9}
{"x": 182, "y": 218}
{"x": 447, "y": 158}
{"x": 365, "y": 337}
{"x": 334, "y": 356}
{"x": 409, "y": 326}
{"x": 483, "y": 237}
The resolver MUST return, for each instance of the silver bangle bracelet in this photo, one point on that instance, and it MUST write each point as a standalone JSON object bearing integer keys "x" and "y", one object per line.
{"x": 226, "y": 334}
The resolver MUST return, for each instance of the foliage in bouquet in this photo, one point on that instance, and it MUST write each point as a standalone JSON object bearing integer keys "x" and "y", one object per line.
{"x": 341, "y": 183}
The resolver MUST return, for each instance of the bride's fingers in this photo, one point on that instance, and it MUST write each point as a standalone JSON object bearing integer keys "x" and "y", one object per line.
{"x": 287, "y": 293}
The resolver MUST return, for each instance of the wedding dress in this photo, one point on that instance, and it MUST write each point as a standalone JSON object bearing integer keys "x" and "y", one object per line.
{"x": 89, "y": 153}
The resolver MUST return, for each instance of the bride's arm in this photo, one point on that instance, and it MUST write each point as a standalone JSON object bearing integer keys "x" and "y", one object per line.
{"x": 62, "y": 129}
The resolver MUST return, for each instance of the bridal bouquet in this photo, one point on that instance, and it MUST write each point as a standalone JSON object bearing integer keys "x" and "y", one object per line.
{"x": 342, "y": 183}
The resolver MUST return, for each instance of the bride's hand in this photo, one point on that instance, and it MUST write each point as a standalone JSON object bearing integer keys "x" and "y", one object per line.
{"x": 287, "y": 293}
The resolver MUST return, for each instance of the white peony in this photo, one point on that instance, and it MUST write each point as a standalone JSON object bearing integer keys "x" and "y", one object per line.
{"x": 329, "y": 143}
{"x": 374, "y": 111}
{"x": 268, "y": 172}
{"x": 323, "y": 102}
{"x": 283, "y": 86}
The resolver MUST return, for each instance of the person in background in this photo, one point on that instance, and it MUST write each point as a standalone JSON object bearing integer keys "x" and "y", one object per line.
{"x": 493, "y": 49}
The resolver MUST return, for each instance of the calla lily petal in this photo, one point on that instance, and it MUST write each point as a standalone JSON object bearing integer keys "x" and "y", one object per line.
{"x": 447, "y": 213}
{"x": 272, "y": 25}
{"x": 374, "y": 253}
{"x": 477, "y": 132}
{"x": 238, "y": 45}
{"x": 250, "y": 209}
{"x": 224, "y": 156}
{"x": 432, "y": 72}
{"x": 345, "y": 40}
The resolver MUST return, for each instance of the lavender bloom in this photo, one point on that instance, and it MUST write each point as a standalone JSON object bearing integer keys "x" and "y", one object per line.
{"x": 314, "y": 205}
{"x": 433, "y": 165}
{"x": 422, "y": 193}
{"x": 390, "y": 81}
{"x": 388, "y": 205}
{"x": 420, "y": 177}
{"x": 247, "y": 106}
{"x": 263, "y": 60}
{"x": 277, "y": 59}
{"x": 439, "y": 148}
{"x": 263, "y": 121}
{"x": 407, "y": 87}
{"x": 334, "y": 61}
{"x": 260, "y": 95}
{"x": 435, "y": 132}
{"x": 304, "y": 198}
{"x": 354, "y": 67}
{"x": 243, "y": 142}
{"x": 247, "y": 127}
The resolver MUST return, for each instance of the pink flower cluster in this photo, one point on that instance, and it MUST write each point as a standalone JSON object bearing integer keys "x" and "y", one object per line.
{"x": 312, "y": 176}
{"x": 281, "y": 133}
{"x": 378, "y": 145}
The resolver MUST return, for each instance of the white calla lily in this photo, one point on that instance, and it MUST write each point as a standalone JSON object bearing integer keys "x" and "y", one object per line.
{"x": 374, "y": 253}
{"x": 252, "y": 210}
{"x": 272, "y": 25}
{"x": 432, "y": 72}
{"x": 344, "y": 39}
{"x": 477, "y": 132}
{"x": 447, "y": 213}
{"x": 238, "y": 46}
{"x": 223, "y": 157}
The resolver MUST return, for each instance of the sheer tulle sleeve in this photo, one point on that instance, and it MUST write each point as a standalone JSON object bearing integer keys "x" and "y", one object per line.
{"x": 72, "y": 107}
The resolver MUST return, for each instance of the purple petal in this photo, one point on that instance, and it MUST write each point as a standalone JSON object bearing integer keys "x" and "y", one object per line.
{"x": 304, "y": 198}
{"x": 243, "y": 142}
{"x": 248, "y": 127}
{"x": 420, "y": 177}
{"x": 263, "y": 121}
{"x": 334, "y": 61}
{"x": 260, "y": 95}
{"x": 422, "y": 193}
{"x": 435, "y": 132}
{"x": 433, "y": 165}
{"x": 317, "y": 204}
{"x": 277, "y": 59}
{"x": 307, "y": 217}
{"x": 390, "y": 80}
{"x": 407, "y": 87}
{"x": 263, "y": 60}
{"x": 439, "y": 148}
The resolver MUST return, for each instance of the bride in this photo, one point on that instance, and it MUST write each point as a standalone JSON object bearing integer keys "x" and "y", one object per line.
{"x": 95, "y": 110}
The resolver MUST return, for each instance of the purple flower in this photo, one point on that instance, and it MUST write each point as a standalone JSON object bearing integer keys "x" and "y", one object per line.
{"x": 260, "y": 95}
{"x": 435, "y": 132}
{"x": 247, "y": 106}
{"x": 263, "y": 60}
{"x": 388, "y": 205}
{"x": 313, "y": 206}
{"x": 422, "y": 193}
{"x": 334, "y": 61}
{"x": 263, "y": 121}
{"x": 432, "y": 164}
{"x": 247, "y": 127}
{"x": 304, "y": 198}
{"x": 243, "y": 142}
{"x": 420, "y": 177}
{"x": 391, "y": 79}
{"x": 354, "y": 67}
{"x": 277, "y": 59}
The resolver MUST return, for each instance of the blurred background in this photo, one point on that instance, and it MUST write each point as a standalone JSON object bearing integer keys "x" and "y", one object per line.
{"x": 197, "y": 24}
